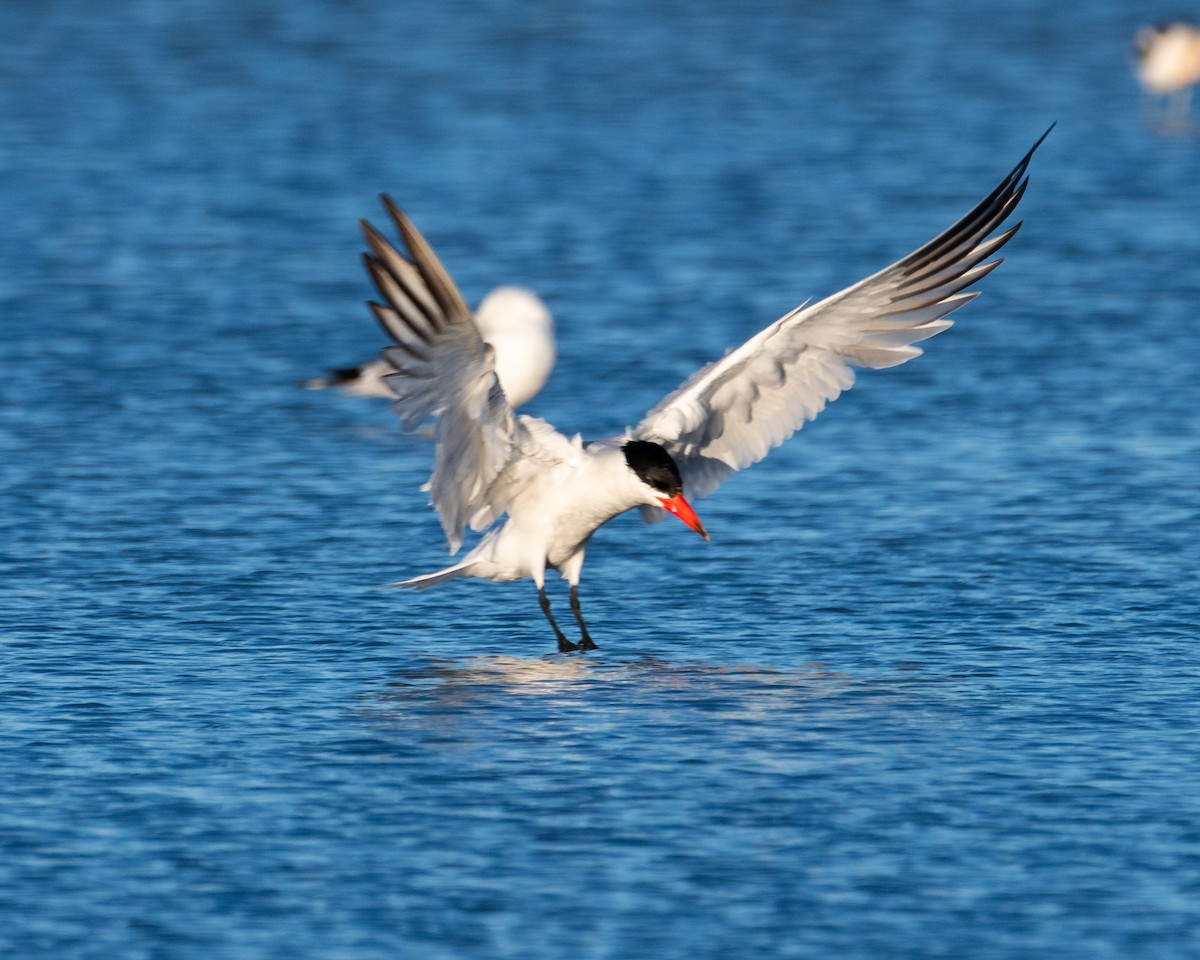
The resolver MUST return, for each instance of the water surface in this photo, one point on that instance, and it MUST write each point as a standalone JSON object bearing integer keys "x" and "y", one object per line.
{"x": 931, "y": 690}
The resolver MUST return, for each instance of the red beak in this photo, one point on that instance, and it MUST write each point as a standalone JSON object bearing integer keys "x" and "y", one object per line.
{"x": 683, "y": 510}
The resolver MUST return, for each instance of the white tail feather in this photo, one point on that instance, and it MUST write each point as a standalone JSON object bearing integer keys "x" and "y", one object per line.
{"x": 441, "y": 576}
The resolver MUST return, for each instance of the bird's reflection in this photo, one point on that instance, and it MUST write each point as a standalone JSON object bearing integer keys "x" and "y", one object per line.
{"x": 441, "y": 691}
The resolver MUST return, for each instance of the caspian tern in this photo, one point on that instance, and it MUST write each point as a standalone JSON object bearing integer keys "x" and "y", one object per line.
{"x": 513, "y": 320}
{"x": 556, "y": 492}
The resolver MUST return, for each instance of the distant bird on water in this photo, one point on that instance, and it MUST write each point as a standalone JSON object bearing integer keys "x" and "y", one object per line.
{"x": 516, "y": 324}
{"x": 1169, "y": 66}
{"x": 554, "y": 492}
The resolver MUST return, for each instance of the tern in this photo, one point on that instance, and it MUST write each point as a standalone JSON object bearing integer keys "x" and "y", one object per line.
{"x": 540, "y": 495}
{"x": 512, "y": 319}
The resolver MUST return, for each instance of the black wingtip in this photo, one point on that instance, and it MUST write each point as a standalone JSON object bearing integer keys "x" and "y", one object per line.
{"x": 399, "y": 218}
{"x": 1019, "y": 170}
{"x": 369, "y": 263}
{"x": 373, "y": 237}
{"x": 1025, "y": 161}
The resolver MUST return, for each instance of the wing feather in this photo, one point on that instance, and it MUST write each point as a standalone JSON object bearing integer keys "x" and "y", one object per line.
{"x": 733, "y": 412}
{"x": 445, "y": 371}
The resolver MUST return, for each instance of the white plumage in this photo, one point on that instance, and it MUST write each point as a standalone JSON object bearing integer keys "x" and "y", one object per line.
{"x": 540, "y": 496}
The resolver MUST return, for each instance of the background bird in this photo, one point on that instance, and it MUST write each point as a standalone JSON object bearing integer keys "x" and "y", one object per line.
{"x": 1168, "y": 66}
{"x": 541, "y": 495}
{"x": 513, "y": 320}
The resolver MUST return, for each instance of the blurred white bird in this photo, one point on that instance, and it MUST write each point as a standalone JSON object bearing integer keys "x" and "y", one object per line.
{"x": 556, "y": 491}
{"x": 1169, "y": 66}
{"x": 513, "y": 320}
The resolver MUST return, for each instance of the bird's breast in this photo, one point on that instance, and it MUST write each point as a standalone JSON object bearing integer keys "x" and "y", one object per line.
{"x": 558, "y": 514}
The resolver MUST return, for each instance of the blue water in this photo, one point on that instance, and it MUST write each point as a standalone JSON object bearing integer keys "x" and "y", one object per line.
{"x": 932, "y": 690}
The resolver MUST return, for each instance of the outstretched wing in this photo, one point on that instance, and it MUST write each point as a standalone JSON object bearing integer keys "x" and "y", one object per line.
{"x": 731, "y": 413}
{"x": 444, "y": 370}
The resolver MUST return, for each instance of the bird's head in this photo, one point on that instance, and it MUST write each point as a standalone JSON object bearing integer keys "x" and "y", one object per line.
{"x": 658, "y": 471}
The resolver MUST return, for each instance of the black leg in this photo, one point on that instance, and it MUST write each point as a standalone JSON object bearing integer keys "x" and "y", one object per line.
{"x": 564, "y": 645}
{"x": 586, "y": 643}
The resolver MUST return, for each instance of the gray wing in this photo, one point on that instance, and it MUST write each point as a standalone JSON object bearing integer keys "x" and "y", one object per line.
{"x": 444, "y": 370}
{"x": 731, "y": 413}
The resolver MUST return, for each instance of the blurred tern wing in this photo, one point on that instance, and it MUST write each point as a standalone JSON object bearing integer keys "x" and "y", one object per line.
{"x": 443, "y": 370}
{"x": 731, "y": 413}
